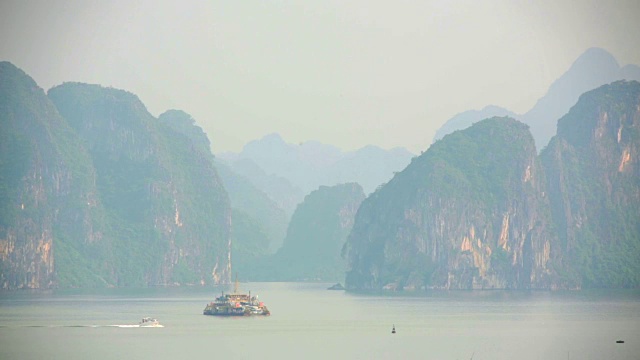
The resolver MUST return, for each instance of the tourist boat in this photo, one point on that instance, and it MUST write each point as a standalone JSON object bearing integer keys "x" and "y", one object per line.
{"x": 236, "y": 304}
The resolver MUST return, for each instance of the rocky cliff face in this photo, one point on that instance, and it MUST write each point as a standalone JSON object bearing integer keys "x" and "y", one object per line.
{"x": 477, "y": 210}
{"x": 47, "y": 186}
{"x": 468, "y": 213}
{"x": 593, "y": 172}
{"x": 168, "y": 215}
{"x": 95, "y": 191}
{"x": 200, "y": 234}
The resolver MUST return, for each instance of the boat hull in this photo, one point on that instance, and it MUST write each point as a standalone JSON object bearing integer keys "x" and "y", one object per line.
{"x": 233, "y": 311}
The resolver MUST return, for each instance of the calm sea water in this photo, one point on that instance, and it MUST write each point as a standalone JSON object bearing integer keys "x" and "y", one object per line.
{"x": 309, "y": 322}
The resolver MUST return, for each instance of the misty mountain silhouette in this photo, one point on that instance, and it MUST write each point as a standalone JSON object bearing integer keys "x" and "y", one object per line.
{"x": 308, "y": 165}
{"x": 594, "y": 68}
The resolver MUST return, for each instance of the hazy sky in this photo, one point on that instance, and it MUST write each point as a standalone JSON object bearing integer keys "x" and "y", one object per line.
{"x": 347, "y": 73}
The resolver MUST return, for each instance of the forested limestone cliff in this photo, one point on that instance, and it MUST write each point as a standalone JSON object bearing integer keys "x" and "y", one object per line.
{"x": 479, "y": 209}
{"x": 47, "y": 185}
{"x": 593, "y": 170}
{"x": 168, "y": 215}
{"x": 469, "y": 213}
{"x": 95, "y": 191}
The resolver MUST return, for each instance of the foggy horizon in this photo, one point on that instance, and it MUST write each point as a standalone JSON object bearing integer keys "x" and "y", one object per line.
{"x": 344, "y": 74}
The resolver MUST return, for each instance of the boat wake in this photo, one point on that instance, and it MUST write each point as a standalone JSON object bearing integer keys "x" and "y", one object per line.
{"x": 136, "y": 326}
{"x": 146, "y": 322}
{"x": 86, "y": 326}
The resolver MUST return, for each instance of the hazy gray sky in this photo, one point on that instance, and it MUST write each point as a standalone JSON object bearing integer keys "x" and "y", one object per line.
{"x": 347, "y": 73}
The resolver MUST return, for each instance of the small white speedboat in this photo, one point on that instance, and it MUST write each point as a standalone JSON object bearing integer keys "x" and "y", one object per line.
{"x": 149, "y": 322}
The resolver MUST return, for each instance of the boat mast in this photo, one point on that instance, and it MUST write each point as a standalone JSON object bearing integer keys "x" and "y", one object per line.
{"x": 235, "y": 288}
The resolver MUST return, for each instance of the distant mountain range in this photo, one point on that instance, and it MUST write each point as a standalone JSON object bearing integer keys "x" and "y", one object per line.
{"x": 287, "y": 172}
{"x": 95, "y": 191}
{"x": 595, "y": 67}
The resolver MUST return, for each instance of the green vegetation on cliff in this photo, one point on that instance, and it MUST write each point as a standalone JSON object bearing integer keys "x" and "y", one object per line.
{"x": 482, "y": 162}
